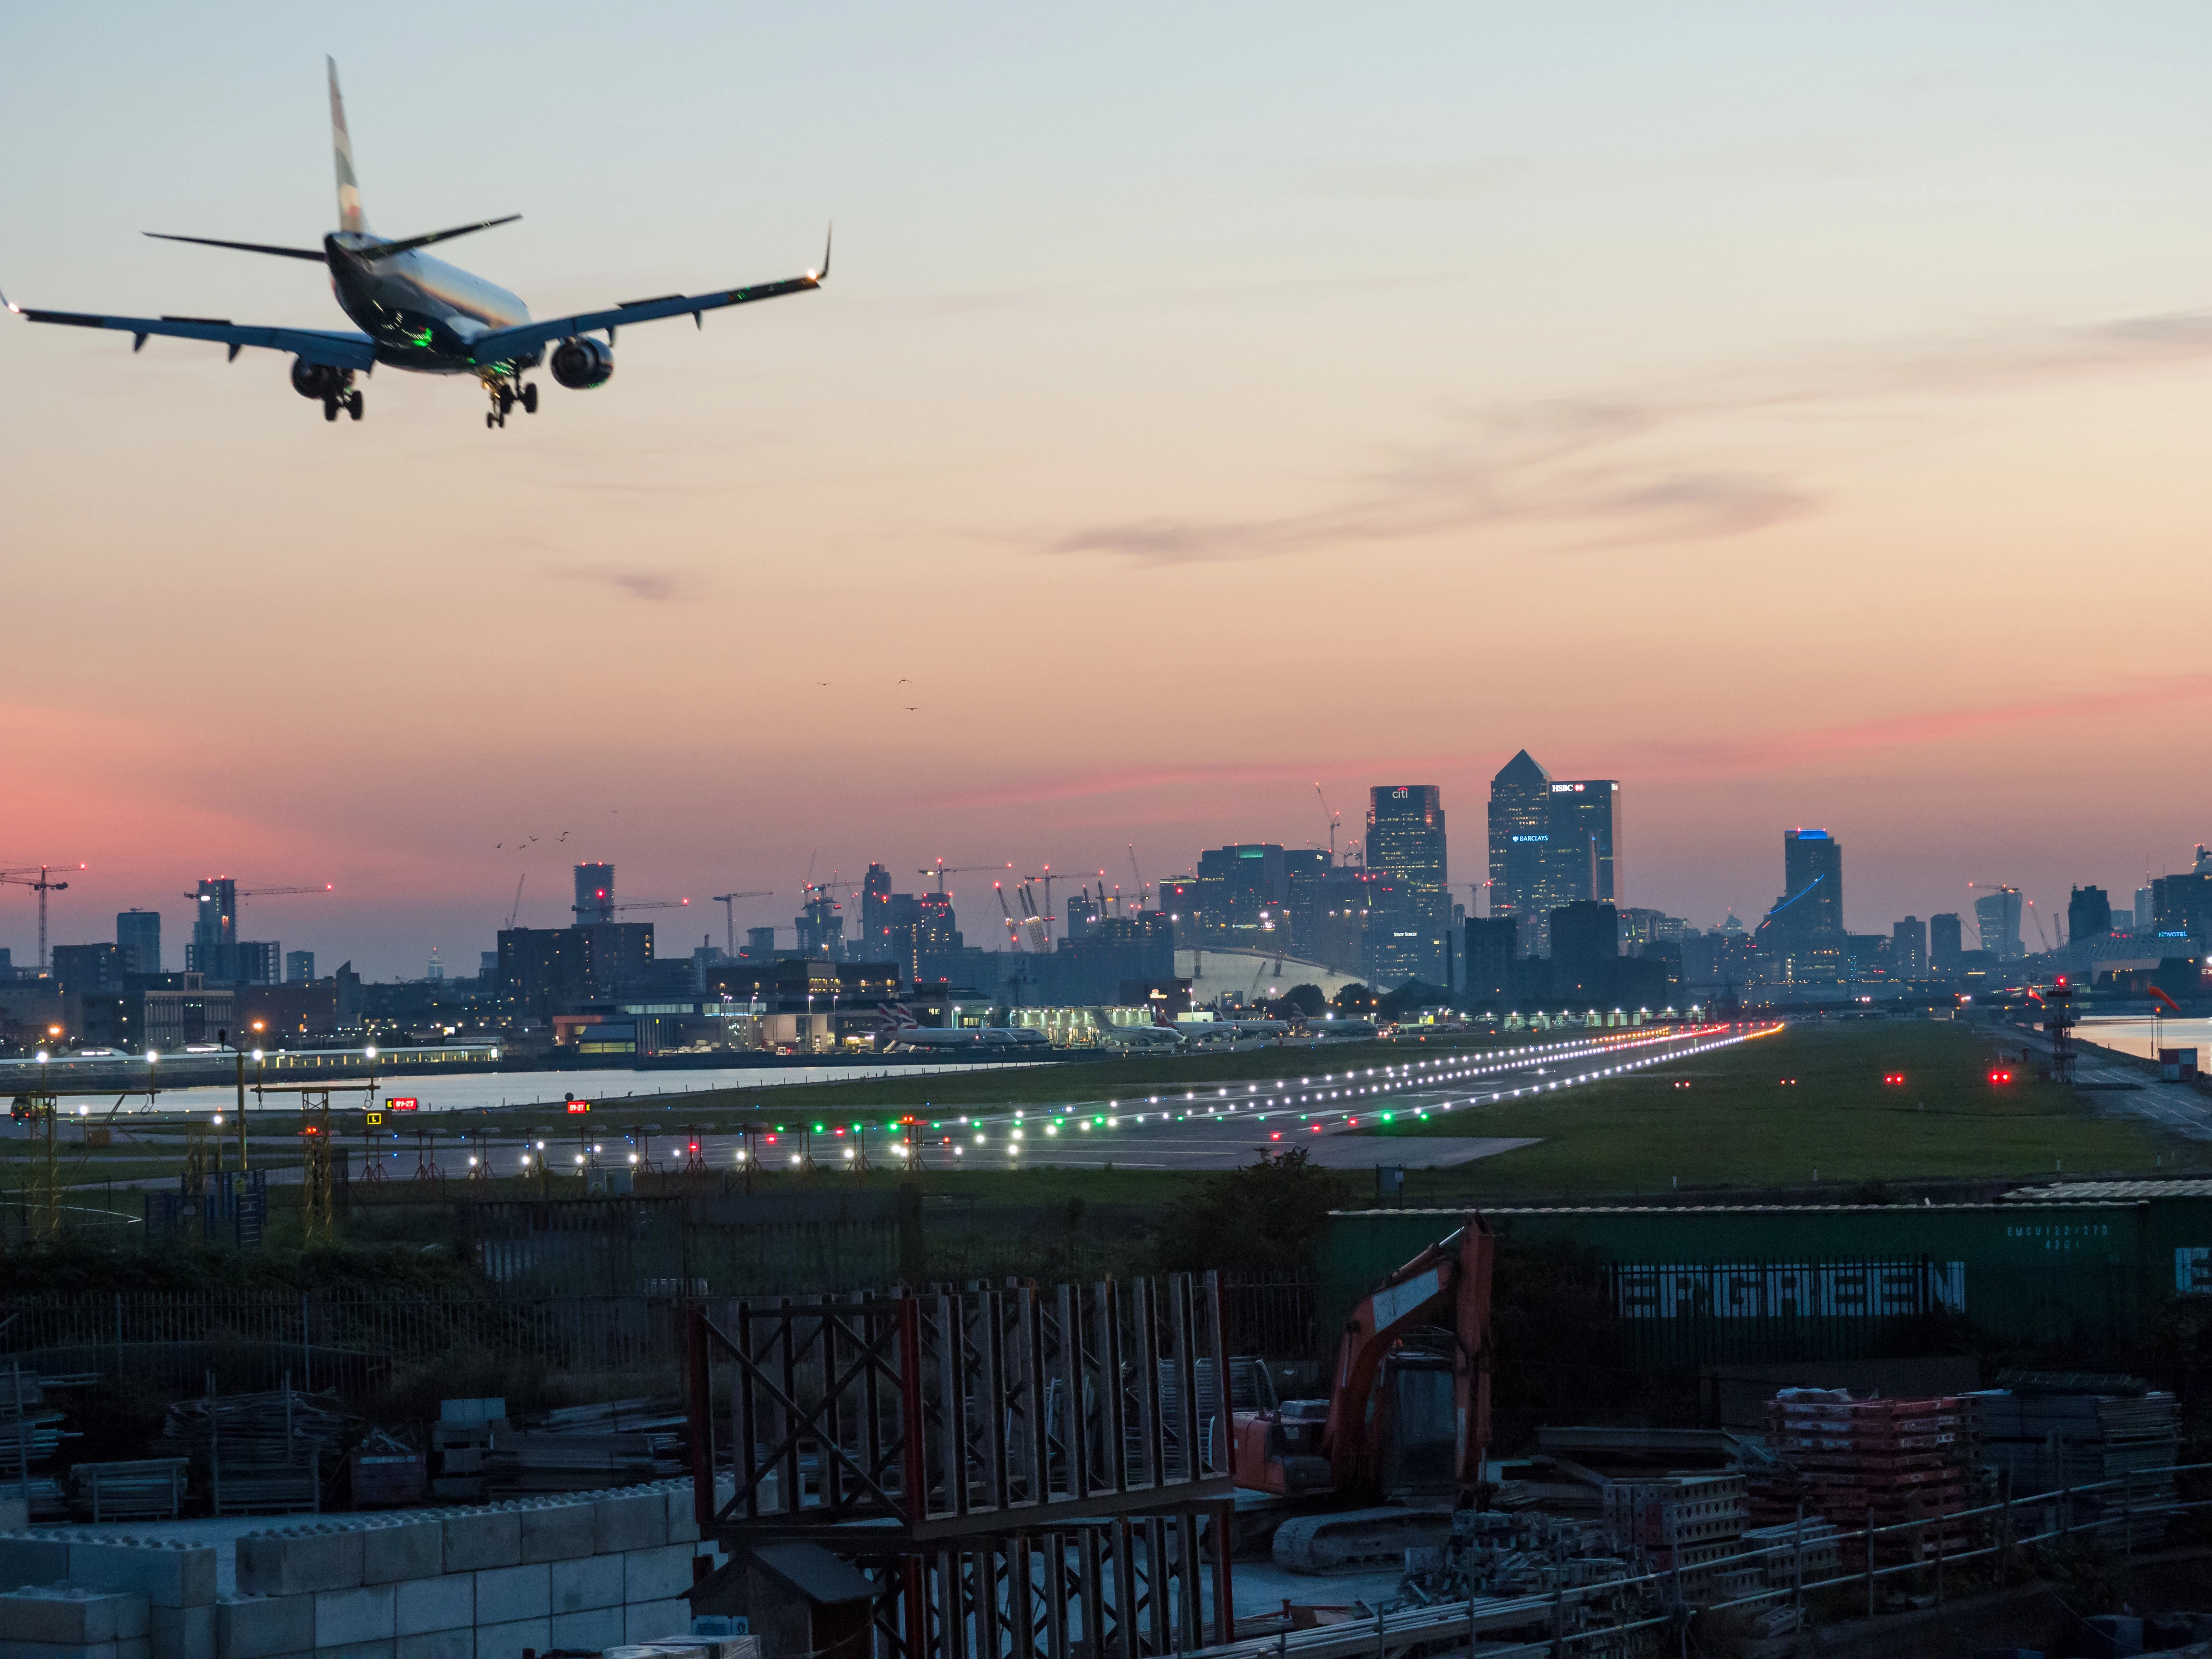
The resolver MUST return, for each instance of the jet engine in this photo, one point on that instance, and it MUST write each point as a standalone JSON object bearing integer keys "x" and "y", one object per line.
{"x": 322, "y": 381}
{"x": 582, "y": 362}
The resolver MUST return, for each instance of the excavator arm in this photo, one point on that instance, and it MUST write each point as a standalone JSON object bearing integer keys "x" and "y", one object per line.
{"x": 1454, "y": 1273}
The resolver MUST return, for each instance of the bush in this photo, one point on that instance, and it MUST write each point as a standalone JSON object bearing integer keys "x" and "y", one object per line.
{"x": 1263, "y": 1218}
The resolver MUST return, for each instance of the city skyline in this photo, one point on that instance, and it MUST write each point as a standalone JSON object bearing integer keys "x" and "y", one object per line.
{"x": 1506, "y": 334}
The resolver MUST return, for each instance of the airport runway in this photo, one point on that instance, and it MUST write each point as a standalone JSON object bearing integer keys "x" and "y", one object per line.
{"x": 1331, "y": 1113}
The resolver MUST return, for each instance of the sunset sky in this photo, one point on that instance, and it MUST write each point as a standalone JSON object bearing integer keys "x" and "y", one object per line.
{"x": 1799, "y": 415}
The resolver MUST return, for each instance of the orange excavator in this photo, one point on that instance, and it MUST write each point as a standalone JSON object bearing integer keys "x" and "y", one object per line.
{"x": 1378, "y": 1464}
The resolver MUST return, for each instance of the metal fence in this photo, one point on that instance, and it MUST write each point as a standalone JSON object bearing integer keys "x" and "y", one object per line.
{"x": 355, "y": 1341}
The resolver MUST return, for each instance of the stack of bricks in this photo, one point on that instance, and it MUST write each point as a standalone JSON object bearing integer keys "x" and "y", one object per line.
{"x": 1888, "y": 1462}
{"x": 106, "y": 1598}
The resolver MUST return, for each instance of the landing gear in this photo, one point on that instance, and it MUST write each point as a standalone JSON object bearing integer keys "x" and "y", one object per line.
{"x": 329, "y": 408}
{"x": 353, "y": 405}
{"x": 505, "y": 393}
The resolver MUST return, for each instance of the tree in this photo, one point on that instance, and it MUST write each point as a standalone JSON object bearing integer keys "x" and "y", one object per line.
{"x": 1265, "y": 1218}
{"x": 1355, "y": 1001}
{"x": 1306, "y": 999}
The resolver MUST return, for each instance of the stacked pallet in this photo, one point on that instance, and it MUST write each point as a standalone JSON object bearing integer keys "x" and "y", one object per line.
{"x": 1681, "y": 1522}
{"x": 2054, "y": 1432}
{"x": 1905, "y": 1463}
{"x": 588, "y": 1448}
{"x": 30, "y": 1437}
{"x": 1801, "y": 1551}
{"x": 263, "y": 1454}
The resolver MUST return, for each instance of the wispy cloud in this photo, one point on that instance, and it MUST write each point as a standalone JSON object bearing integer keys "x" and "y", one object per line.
{"x": 1666, "y": 465}
{"x": 653, "y": 586}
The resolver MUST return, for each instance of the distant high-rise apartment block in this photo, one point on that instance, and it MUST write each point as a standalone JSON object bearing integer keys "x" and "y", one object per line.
{"x": 2088, "y": 912}
{"x": 1908, "y": 949}
{"x": 595, "y": 893}
{"x": 876, "y": 915}
{"x": 138, "y": 938}
{"x": 299, "y": 965}
{"x": 213, "y": 948}
{"x": 760, "y": 941}
{"x": 1997, "y": 918}
{"x": 1243, "y": 897}
{"x": 259, "y": 962}
{"x": 1947, "y": 943}
{"x": 2146, "y": 909}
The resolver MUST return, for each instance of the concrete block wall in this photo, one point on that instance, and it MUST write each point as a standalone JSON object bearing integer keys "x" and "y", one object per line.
{"x": 585, "y": 1571}
{"x": 590, "y": 1571}
{"x": 68, "y": 1597}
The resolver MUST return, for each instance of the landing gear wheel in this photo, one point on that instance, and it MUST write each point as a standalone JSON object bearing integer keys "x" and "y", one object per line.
{"x": 530, "y": 398}
{"x": 353, "y": 405}
{"x": 505, "y": 396}
{"x": 490, "y": 421}
{"x": 329, "y": 408}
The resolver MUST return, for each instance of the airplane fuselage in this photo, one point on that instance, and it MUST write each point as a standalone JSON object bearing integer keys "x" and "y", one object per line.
{"x": 422, "y": 312}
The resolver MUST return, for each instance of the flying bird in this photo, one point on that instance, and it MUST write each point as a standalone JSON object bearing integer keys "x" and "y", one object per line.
{"x": 564, "y": 835}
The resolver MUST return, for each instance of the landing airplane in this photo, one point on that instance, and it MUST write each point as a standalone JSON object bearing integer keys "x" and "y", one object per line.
{"x": 421, "y": 314}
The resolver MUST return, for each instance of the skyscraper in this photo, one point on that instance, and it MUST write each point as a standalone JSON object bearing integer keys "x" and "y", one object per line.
{"x": 1908, "y": 949}
{"x": 138, "y": 938}
{"x": 1801, "y": 940}
{"x": 1947, "y": 943}
{"x": 1406, "y": 842}
{"x": 876, "y": 915}
{"x": 2088, "y": 912}
{"x": 214, "y": 948}
{"x": 595, "y": 893}
{"x": 1243, "y": 897}
{"x": 1520, "y": 831}
{"x": 300, "y": 966}
{"x": 1583, "y": 857}
{"x": 1997, "y": 916}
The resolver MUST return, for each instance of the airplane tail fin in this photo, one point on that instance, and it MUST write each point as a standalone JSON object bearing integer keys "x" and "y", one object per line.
{"x": 896, "y": 1017}
{"x": 349, "y": 214}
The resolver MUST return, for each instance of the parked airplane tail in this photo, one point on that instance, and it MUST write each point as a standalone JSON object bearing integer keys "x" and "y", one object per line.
{"x": 897, "y": 1015}
{"x": 350, "y": 213}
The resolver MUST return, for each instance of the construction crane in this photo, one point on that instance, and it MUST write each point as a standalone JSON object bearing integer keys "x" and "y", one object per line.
{"x": 40, "y": 880}
{"x": 1013, "y": 931}
{"x": 245, "y": 893}
{"x": 1334, "y": 819}
{"x": 1138, "y": 874}
{"x": 941, "y": 870}
{"x": 728, "y": 901}
{"x": 638, "y": 904}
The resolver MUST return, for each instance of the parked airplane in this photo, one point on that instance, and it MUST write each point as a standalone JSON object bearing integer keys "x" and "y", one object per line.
{"x": 901, "y": 1029}
{"x": 419, "y": 313}
{"x": 1141, "y": 1039}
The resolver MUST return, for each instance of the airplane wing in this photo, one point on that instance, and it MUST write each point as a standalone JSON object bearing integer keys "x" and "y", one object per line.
{"x": 340, "y": 350}
{"x": 502, "y": 345}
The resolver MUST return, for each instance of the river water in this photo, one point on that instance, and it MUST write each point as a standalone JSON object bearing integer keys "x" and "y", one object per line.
{"x": 471, "y": 1091}
{"x": 2147, "y": 1037}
